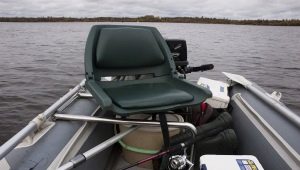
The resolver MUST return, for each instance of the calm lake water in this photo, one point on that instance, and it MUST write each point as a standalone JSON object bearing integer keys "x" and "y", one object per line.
{"x": 39, "y": 62}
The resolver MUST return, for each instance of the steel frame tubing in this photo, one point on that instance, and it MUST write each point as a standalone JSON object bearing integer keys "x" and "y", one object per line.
{"x": 74, "y": 162}
{"x": 186, "y": 125}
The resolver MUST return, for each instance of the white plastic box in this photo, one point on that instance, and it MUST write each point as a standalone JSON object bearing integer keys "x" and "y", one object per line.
{"x": 220, "y": 98}
{"x": 229, "y": 162}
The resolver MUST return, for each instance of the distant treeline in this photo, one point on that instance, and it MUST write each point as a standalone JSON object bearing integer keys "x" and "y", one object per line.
{"x": 151, "y": 18}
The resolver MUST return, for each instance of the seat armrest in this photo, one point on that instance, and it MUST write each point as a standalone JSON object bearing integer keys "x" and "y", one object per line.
{"x": 99, "y": 94}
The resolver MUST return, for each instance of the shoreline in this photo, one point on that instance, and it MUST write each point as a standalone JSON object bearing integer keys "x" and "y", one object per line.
{"x": 196, "y": 20}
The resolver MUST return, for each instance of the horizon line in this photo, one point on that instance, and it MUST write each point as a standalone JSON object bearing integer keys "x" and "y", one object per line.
{"x": 152, "y": 16}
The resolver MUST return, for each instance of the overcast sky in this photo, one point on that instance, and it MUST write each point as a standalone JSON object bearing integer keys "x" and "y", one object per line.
{"x": 235, "y": 9}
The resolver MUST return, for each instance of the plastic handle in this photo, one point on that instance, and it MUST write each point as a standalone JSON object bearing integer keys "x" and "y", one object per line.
{"x": 202, "y": 68}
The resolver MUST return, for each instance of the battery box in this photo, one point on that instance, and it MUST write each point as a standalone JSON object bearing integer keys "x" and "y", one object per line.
{"x": 229, "y": 162}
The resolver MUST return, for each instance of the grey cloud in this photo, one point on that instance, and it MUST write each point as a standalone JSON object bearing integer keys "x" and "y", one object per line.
{"x": 236, "y": 9}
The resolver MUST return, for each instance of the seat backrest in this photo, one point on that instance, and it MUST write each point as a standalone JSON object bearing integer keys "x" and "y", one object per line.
{"x": 119, "y": 50}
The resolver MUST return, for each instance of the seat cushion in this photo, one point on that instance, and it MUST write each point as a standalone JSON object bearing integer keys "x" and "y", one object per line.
{"x": 147, "y": 95}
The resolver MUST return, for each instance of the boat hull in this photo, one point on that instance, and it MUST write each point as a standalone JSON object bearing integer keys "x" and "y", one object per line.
{"x": 263, "y": 131}
{"x": 61, "y": 140}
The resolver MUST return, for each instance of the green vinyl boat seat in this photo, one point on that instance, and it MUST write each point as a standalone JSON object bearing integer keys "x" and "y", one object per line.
{"x": 119, "y": 50}
{"x": 157, "y": 95}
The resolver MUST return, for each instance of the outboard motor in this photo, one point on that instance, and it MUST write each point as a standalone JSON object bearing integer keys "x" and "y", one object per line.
{"x": 178, "y": 49}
